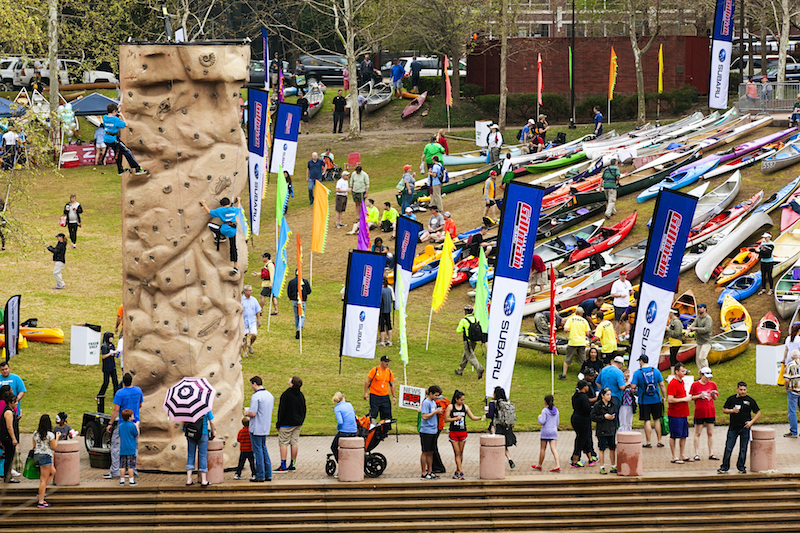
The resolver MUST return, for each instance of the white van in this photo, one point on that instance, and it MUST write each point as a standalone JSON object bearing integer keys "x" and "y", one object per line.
{"x": 69, "y": 71}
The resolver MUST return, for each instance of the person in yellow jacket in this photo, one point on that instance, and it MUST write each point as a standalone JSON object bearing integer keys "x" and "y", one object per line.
{"x": 675, "y": 336}
{"x": 489, "y": 193}
{"x": 373, "y": 216}
{"x": 578, "y": 329}
{"x": 608, "y": 337}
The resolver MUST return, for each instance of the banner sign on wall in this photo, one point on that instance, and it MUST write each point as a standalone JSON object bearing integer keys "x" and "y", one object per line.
{"x": 362, "y": 304}
{"x": 287, "y": 129}
{"x": 672, "y": 220}
{"x": 721, "y": 54}
{"x": 515, "y": 243}
{"x": 258, "y": 107}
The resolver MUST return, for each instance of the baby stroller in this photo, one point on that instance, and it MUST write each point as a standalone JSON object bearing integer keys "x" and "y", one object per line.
{"x": 374, "y": 463}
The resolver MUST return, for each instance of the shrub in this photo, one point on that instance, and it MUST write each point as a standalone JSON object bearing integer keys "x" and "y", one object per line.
{"x": 555, "y": 106}
{"x": 488, "y": 103}
{"x": 471, "y": 90}
{"x": 432, "y": 84}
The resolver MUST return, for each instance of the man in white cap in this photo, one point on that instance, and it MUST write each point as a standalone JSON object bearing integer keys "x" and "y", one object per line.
{"x": 621, "y": 291}
{"x": 495, "y": 140}
{"x": 703, "y": 393}
{"x": 410, "y": 213}
{"x": 765, "y": 256}
{"x": 342, "y": 188}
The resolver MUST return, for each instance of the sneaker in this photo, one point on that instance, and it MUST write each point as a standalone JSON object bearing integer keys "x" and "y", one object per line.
{"x": 613, "y": 470}
{"x": 140, "y": 171}
{"x": 122, "y": 482}
{"x": 790, "y": 435}
{"x": 282, "y": 469}
{"x": 742, "y": 470}
{"x": 603, "y": 470}
{"x": 388, "y": 343}
{"x": 577, "y": 465}
{"x": 42, "y": 505}
{"x": 381, "y": 344}
{"x": 455, "y": 476}
{"x": 235, "y": 270}
{"x": 594, "y": 457}
{"x": 511, "y": 463}
{"x": 722, "y": 471}
{"x": 592, "y": 462}
{"x": 108, "y": 476}
{"x": 459, "y": 372}
{"x": 120, "y": 174}
{"x": 14, "y": 473}
{"x": 769, "y": 292}
{"x": 433, "y": 476}
{"x": 250, "y": 350}
{"x": 536, "y": 467}
{"x": 461, "y": 476}
{"x": 426, "y": 476}
{"x": 237, "y": 476}
{"x": 480, "y": 374}
{"x": 292, "y": 468}
{"x": 132, "y": 483}
{"x": 762, "y": 291}
{"x": 562, "y": 377}
{"x": 557, "y": 469}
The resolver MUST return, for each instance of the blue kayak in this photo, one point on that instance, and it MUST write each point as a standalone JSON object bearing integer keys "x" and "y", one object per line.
{"x": 473, "y": 279}
{"x": 679, "y": 179}
{"x": 429, "y": 272}
{"x": 741, "y": 288}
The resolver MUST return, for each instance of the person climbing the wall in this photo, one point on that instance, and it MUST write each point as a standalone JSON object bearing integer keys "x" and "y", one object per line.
{"x": 113, "y": 122}
{"x": 227, "y": 214}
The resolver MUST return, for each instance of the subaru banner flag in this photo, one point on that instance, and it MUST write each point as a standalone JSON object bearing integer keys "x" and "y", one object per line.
{"x": 362, "y": 305}
{"x": 265, "y": 46}
{"x": 721, "y": 54}
{"x": 11, "y": 323}
{"x": 258, "y": 109}
{"x": 672, "y": 220}
{"x": 515, "y": 242}
{"x": 284, "y": 147}
{"x": 405, "y": 248}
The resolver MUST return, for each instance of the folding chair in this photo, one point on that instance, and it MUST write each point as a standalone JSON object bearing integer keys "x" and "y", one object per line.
{"x": 353, "y": 160}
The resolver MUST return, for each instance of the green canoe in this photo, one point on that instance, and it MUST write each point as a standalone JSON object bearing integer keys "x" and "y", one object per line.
{"x": 552, "y": 164}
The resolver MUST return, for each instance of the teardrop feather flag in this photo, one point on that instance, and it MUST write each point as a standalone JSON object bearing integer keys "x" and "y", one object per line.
{"x": 445, "y": 275}
{"x": 319, "y": 227}
{"x": 612, "y": 74}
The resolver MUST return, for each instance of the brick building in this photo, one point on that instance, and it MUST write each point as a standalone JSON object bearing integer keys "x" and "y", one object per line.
{"x": 686, "y": 62}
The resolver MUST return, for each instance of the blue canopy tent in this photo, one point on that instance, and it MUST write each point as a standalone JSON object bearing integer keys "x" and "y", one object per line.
{"x": 94, "y": 104}
{"x": 10, "y": 109}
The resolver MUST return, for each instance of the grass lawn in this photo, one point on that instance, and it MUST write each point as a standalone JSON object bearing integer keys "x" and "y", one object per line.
{"x": 93, "y": 278}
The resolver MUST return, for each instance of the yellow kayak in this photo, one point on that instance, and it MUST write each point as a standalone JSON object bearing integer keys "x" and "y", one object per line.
{"x": 428, "y": 255}
{"x": 734, "y": 316}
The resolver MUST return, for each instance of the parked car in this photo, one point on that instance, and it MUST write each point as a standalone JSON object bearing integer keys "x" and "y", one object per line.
{"x": 430, "y": 66}
{"x": 7, "y": 73}
{"x": 69, "y": 71}
{"x": 792, "y": 72}
{"x": 257, "y": 75}
{"x": 327, "y": 68}
{"x": 772, "y": 62}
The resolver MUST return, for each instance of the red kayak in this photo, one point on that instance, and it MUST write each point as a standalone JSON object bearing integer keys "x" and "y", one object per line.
{"x": 604, "y": 239}
{"x": 414, "y": 105}
{"x": 685, "y": 353}
{"x": 568, "y": 190}
{"x": 769, "y": 330}
{"x": 703, "y": 231}
{"x": 463, "y": 270}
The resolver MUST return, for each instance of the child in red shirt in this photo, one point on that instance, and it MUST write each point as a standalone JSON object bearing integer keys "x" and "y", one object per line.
{"x": 245, "y": 448}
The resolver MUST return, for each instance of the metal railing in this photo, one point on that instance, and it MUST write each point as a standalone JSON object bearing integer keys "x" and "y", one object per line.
{"x": 771, "y": 97}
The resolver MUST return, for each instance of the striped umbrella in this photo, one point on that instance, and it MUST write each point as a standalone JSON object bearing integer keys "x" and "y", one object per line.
{"x": 190, "y": 399}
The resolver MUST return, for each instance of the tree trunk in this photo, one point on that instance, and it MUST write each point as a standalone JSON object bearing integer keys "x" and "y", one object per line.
{"x": 750, "y": 65}
{"x": 501, "y": 120}
{"x": 786, "y": 22}
{"x": 350, "y": 52}
{"x": 52, "y": 60}
{"x": 763, "y": 42}
{"x": 637, "y": 59}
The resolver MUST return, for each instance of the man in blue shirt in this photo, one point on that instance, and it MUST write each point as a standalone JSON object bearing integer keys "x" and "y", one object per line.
{"x": 651, "y": 391}
{"x": 387, "y": 305}
{"x": 598, "y": 122}
{"x": 262, "y": 403}
{"x": 429, "y": 430}
{"x": 113, "y": 122}
{"x": 314, "y": 174}
{"x": 613, "y": 378}
{"x": 128, "y": 397}
{"x": 397, "y": 77}
{"x": 15, "y": 382}
{"x": 251, "y": 314}
{"x": 227, "y": 213}
{"x": 416, "y": 68}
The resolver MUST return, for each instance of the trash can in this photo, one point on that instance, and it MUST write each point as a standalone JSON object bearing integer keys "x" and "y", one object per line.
{"x": 351, "y": 459}
{"x": 629, "y": 453}
{"x": 763, "y": 450}
{"x": 67, "y": 460}
{"x": 216, "y": 470}
{"x": 493, "y": 457}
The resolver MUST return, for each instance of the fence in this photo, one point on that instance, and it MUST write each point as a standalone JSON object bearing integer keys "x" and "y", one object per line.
{"x": 770, "y": 97}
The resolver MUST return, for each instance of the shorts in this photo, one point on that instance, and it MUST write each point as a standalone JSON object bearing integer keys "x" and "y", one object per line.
{"x": 380, "y": 405}
{"x": 304, "y": 117}
{"x": 618, "y": 312}
{"x": 572, "y": 351}
{"x": 289, "y": 435}
{"x": 648, "y": 410}
{"x": 385, "y": 322}
{"x": 490, "y": 203}
{"x": 127, "y": 461}
{"x": 397, "y": 84}
{"x": 701, "y": 421}
{"x": 606, "y": 443}
{"x": 266, "y": 292}
{"x": 42, "y": 459}
{"x": 428, "y": 442}
{"x": 250, "y": 330}
{"x": 678, "y": 427}
{"x": 100, "y": 145}
{"x": 458, "y": 436}
{"x": 341, "y": 203}
{"x": 358, "y": 197}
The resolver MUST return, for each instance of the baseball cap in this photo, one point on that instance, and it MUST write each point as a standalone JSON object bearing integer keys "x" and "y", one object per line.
{"x": 766, "y": 234}
{"x": 702, "y": 305}
{"x": 385, "y": 358}
{"x": 623, "y": 272}
{"x": 345, "y": 173}
{"x": 673, "y": 310}
{"x": 642, "y": 358}
{"x": 407, "y": 167}
{"x": 60, "y": 235}
{"x": 409, "y": 210}
{"x": 493, "y": 173}
{"x": 531, "y": 121}
{"x": 447, "y": 214}
{"x": 619, "y": 359}
{"x": 706, "y": 372}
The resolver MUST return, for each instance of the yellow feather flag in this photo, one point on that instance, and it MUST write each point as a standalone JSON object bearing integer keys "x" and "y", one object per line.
{"x": 319, "y": 227}
{"x": 445, "y": 275}
{"x": 661, "y": 69}
{"x": 612, "y": 74}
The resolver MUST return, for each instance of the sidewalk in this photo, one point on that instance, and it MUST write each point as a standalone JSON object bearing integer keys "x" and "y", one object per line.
{"x": 403, "y": 459}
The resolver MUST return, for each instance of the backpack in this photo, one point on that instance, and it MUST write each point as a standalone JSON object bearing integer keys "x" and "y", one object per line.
{"x": 265, "y": 273}
{"x": 194, "y": 430}
{"x": 474, "y": 331}
{"x": 506, "y": 414}
{"x": 519, "y": 135}
{"x": 651, "y": 387}
{"x": 386, "y": 226}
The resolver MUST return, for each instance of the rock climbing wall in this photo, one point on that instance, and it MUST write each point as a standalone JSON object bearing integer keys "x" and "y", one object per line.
{"x": 181, "y": 296}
